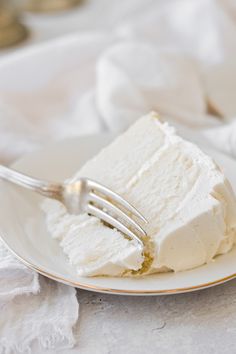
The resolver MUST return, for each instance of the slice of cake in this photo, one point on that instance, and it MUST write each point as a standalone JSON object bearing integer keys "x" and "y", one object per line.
{"x": 187, "y": 200}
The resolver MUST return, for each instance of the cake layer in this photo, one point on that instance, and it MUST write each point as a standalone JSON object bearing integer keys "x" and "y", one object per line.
{"x": 190, "y": 206}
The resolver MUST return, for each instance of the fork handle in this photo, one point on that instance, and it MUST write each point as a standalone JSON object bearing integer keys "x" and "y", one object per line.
{"x": 47, "y": 189}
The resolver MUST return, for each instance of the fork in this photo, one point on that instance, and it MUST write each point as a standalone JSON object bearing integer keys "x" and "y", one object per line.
{"x": 86, "y": 196}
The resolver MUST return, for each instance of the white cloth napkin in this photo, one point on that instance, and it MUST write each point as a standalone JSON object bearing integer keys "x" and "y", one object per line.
{"x": 33, "y": 309}
{"x": 175, "y": 56}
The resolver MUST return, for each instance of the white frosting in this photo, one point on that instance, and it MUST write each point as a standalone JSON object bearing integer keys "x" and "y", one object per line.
{"x": 91, "y": 247}
{"x": 190, "y": 205}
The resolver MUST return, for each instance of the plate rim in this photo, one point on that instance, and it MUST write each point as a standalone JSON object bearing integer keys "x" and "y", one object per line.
{"x": 114, "y": 291}
{"x": 95, "y": 288}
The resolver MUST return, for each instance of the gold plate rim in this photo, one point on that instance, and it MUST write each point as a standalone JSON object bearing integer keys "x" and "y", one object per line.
{"x": 113, "y": 291}
{"x": 105, "y": 289}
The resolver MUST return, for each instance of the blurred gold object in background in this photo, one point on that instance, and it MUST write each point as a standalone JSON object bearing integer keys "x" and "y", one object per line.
{"x": 49, "y": 5}
{"x": 11, "y": 30}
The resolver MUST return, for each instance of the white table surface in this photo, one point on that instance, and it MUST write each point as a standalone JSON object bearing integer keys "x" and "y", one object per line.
{"x": 195, "y": 323}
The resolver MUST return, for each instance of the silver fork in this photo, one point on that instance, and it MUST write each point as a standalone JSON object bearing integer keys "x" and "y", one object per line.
{"x": 85, "y": 195}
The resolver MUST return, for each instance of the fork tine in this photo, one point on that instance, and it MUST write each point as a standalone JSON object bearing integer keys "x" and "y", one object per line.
{"x": 116, "y": 197}
{"x": 91, "y": 209}
{"x": 114, "y": 209}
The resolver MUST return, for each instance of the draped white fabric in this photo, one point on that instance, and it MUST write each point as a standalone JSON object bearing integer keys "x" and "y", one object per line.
{"x": 177, "y": 57}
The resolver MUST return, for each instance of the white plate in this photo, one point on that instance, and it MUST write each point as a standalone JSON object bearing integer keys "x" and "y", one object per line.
{"x": 23, "y": 230}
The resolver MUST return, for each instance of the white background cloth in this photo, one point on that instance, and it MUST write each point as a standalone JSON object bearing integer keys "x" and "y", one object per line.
{"x": 177, "y": 57}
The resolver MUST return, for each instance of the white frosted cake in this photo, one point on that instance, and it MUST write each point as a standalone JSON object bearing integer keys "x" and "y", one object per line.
{"x": 187, "y": 200}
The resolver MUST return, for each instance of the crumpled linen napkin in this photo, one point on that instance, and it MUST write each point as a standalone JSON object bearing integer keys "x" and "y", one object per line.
{"x": 176, "y": 57}
{"x": 33, "y": 309}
